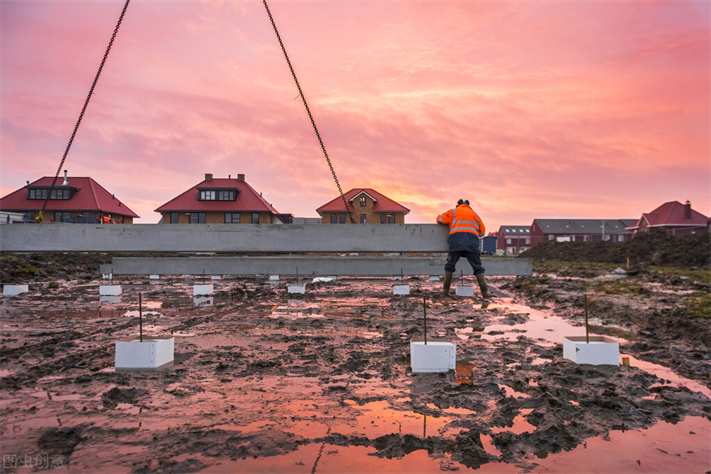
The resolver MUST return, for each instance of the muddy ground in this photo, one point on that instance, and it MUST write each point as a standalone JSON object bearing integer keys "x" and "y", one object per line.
{"x": 265, "y": 381}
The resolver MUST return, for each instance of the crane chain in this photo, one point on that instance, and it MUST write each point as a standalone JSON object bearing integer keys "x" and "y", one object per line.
{"x": 81, "y": 115}
{"x": 308, "y": 111}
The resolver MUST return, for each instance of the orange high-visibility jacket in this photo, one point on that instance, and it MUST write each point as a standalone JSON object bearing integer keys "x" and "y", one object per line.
{"x": 462, "y": 219}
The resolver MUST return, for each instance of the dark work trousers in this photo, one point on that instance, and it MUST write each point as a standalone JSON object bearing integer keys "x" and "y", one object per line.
{"x": 474, "y": 259}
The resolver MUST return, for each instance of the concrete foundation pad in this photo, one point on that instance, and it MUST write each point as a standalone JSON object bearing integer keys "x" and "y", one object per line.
{"x": 434, "y": 278}
{"x": 14, "y": 290}
{"x": 274, "y": 277}
{"x": 438, "y": 355}
{"x": 600, "y": 350}
{"x": 150, "y": 354}
{"x": 216, "y": 277}
{"x": 296, "y": 289}
{"x": 401, "y": 289}
{"x": 397, "y": 277}
{"x": 200, "y": 290}
{"x": 308, "y": 266}
{"x": 465, "y": 291}
{"x": 110, "y": 290}
{"x": 154, "y": 277}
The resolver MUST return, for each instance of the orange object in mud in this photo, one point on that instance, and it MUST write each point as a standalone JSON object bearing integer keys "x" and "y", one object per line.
{"x": 626, "y": 361}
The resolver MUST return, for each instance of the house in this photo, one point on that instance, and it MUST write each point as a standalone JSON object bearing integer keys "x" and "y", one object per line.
{"x": 513, "y": 239}
{"x": 367, "y": 206}
{"x": 73, "y": 199}
{"x": 220, "y": 201}
{"x": 580, "y": 230}
{"x": 674, "y": 217}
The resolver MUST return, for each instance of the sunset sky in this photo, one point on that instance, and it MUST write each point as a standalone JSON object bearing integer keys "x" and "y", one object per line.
{"x": 530, "y": 109}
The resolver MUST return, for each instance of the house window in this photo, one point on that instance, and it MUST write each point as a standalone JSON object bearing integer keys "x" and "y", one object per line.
{"x": 508, "y": 241}
{"x": 197, "y": 217}
{"x": 207, "y": 195}
{"x": 362, "y": 218}
{"x": 342, "y": 218}
{"x": 59, "y": 194}
{"x": 383, "y": 219}
{"x": 334, "y": 218}
{"x": 551, "y": 237}
{"x": 528, "y": 241}
{"x": 38, "y": 194}
{"x": 225, "y": 195}
{"x": 362, "y": 201}
{"x": 173, "y": 217}
{"x": 620, "y": 238}
{"x": 255, "y": 218}
{"x": 232, "y": 217}
{"x": 59, "y": 216}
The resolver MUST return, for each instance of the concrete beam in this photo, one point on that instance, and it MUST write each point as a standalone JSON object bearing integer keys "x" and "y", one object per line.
{"x": 307, "y": 266}
{"x": 269, "y": 238}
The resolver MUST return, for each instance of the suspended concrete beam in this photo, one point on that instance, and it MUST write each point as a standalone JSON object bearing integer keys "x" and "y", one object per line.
{"x": 270, "y": 238}
{"x": 307, "y": 266}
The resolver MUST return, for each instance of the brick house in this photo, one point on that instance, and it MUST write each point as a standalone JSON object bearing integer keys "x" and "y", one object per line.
{"x": 367, "y": 207}
{"x": 580, "y": 230}
{"x": 513, "y": 239}
{"x": 674, "y": 217}
{"x": 73, "y": 199}
{"x": 219, "y": 201}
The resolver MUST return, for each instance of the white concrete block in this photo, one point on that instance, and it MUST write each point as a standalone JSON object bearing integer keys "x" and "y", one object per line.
{"x": 110, "y": 299}
{"x": 154, "y": 277}
{"x": 14, "y": 290}
{"x": 397, "y": 277}
{"x": 107, "y": 276}
{"x": 203, "y": 289}
{"x": 600, "y": 351}
{"x": 202, "y": 300}
{"x": 296, "y": 289}
{"x": 274, "y": 277}
{"x": 152, "y": 353}
{"x": 323, "y": 280}
{"x": 401, "y": 290}
{"x": 438, "y": 355}
{"x": 434, "y": 278}
{"x": 110, "y": 290}
{"x": 216, "y": 277}
{"x": 465, "y": 291}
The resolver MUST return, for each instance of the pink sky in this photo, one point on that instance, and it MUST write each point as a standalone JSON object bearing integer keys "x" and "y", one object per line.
{"x": 528, "y": 109}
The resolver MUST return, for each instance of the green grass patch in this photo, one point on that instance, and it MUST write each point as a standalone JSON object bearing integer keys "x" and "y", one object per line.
{"x": 52, "y": 285}
{"x": 703, "y": 276}
{"x": 619, "y": 287}
{"x": 699, "y": 304}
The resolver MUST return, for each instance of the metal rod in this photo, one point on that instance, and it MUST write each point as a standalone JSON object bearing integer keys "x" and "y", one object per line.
{"x": 424, "y": 300}
{"x": 461, "y": 277}
{"x": 140, "y": 314}
{"x": 587, "y": 335}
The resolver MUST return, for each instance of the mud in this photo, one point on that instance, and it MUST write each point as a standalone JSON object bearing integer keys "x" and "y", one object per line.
{"x": 263, "y": 382}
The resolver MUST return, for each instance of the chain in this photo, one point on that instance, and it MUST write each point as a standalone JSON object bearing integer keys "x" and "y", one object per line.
{"x": 81, "y": 115}
{"x": 318, "y": 135}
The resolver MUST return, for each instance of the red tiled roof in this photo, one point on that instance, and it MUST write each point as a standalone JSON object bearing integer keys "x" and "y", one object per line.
{"x": 382, "y": 202}
{"x": 91, "y": 196}
{"x": 248, "y": 200}
{"x": 671, "y": 214}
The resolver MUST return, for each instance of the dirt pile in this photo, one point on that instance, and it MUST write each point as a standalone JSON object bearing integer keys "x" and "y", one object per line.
{"x": 649, "y": 248}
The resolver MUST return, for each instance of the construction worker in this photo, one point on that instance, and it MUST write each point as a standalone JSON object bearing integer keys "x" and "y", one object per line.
{"x": 465, "y": 229}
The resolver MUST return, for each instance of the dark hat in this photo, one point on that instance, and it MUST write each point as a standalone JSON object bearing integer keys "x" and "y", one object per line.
{"x": 462, "y": 201}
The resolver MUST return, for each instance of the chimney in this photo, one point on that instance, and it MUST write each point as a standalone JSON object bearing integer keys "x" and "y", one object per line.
{"x": 240, "y": 178}
{"x": 208, "y": 177}
{"x": 65, "y": 179}
{"x": 687, "y": 210}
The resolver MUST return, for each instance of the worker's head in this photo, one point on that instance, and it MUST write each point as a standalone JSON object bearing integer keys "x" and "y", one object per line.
{"x": 462, "y": 201}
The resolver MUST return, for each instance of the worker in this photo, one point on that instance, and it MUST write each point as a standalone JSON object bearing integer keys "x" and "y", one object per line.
{"x": 465, "y": 229}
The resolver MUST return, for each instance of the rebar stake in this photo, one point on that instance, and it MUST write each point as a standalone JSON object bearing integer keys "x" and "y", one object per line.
{"x": 424, "y": 300}
{"x": 140, "y": 315}
{"x": 587, "y": 336}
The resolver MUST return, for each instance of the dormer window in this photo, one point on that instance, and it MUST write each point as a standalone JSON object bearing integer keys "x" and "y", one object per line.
{"x": 217, "y": 194}
{"x": 362, "y": 201}
{"x": 57, "y": 193}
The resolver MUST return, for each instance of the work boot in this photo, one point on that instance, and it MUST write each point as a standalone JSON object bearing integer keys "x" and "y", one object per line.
{"x": 447, "y": 282}
{"x": 482, "y": 285}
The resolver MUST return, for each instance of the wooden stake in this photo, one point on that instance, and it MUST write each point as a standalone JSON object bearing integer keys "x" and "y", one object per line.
{"x": 587, "y": 336}
{"x": 140, "y": 314}
{"x": 424, "y": 300}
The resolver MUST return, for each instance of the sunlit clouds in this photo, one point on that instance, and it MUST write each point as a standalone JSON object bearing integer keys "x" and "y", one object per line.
{"x": 528, "y": 109}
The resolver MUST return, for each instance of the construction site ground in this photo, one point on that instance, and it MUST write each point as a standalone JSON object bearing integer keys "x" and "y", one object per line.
{"x": 266, "y": 381}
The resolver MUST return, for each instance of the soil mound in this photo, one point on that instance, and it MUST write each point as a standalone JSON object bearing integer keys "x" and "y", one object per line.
{"x": 648, "y": 248}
